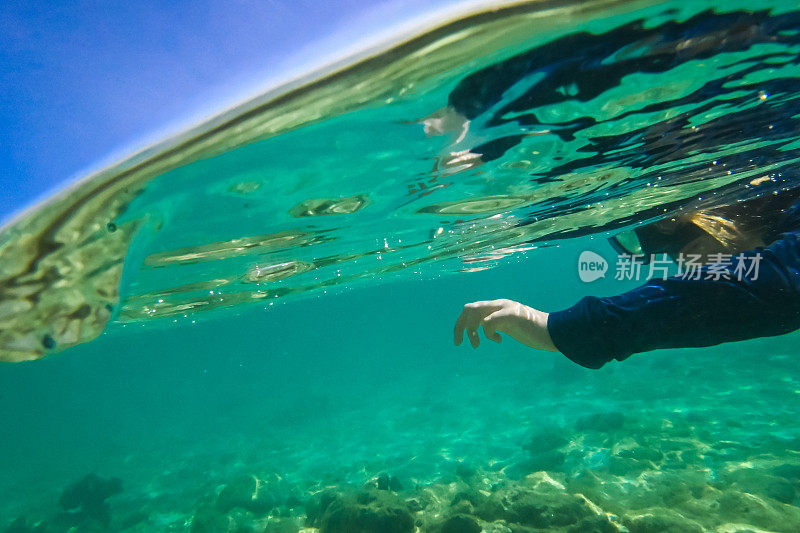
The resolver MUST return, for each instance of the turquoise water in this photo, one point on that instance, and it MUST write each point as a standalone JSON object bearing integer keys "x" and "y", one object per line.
{"x": 276, "y": 299}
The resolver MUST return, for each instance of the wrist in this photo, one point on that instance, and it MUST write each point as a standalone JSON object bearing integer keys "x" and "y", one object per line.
{"x": 539, "y": 336}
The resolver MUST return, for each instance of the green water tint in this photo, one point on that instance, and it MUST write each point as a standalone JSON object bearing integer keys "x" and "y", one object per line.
{"x": 351, "y": 412}
{"x": 671, "y": 441}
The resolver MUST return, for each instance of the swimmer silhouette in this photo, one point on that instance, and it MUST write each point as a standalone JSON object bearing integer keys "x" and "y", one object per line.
{"x": 581, "y": 66}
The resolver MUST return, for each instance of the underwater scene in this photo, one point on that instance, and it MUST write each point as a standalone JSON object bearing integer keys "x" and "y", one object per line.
{"x": 248, "y": 327}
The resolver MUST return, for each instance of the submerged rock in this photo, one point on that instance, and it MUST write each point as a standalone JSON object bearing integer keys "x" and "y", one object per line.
{"x": 538, "y": 512}
{"x": 316, "y": 507}
{"x": 542, "y": 502}
{"x": 374, "y": 511}
{"x": 384, "y": 482}
{"x": 90, "y": 492}
{"x": 739, "y": 506}
{"x": 490, "y": 509}
{"x": 460, "y": 524}
{"x": 84, "y": 502}
{"x": 595, "y": 524}
{"x": 472, "y": 496}
{"x": 662, "y": 521}
{"x": 208, "y": 519}
{"x": 757, "y": 482}
{"x": 281, "y": 525}
{"x": 245, "y": 493}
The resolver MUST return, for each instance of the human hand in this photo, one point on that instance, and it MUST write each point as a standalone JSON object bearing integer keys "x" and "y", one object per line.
{"x": 525, "y": 324}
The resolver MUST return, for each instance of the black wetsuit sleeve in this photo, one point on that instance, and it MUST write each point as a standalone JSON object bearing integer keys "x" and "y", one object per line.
{"x": 683, "y": 313}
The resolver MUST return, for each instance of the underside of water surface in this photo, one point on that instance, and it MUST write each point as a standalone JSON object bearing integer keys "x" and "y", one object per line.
{"x": 248, "y": 327}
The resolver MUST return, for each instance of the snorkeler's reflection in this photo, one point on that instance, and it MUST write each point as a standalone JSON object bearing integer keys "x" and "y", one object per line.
{"x": 581, "y": 66}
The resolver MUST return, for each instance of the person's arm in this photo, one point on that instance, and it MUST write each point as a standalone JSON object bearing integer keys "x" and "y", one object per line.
{"x": 671, "y": 313}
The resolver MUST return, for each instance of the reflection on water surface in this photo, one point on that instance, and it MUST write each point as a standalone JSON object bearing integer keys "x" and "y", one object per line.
{"x": 484, "y": 138}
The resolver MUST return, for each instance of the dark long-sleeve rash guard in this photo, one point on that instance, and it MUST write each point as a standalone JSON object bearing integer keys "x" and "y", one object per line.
{"x": 683, "y": 313}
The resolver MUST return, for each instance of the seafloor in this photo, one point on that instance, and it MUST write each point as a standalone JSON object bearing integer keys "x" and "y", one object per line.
{"x": 715, "y": 447}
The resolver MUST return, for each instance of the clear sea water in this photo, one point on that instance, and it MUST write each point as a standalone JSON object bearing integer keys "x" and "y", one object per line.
{"x": 280, "y": 355}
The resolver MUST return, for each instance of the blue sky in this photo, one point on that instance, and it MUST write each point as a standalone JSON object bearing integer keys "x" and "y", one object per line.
{"x": 86, "y": 81}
